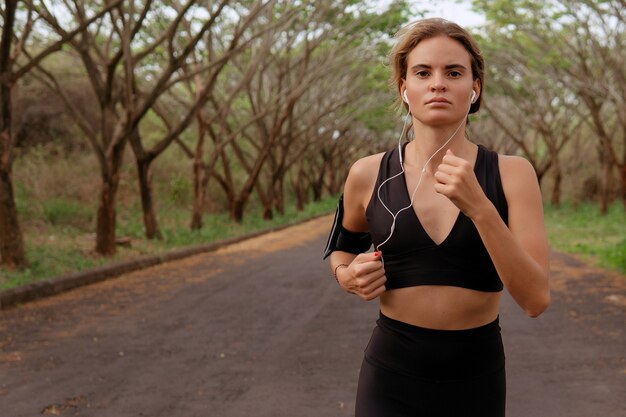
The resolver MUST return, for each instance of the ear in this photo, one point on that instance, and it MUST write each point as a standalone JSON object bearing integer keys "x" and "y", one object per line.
{"x": 477, "y": 89}
{"x": 402, "y": 91}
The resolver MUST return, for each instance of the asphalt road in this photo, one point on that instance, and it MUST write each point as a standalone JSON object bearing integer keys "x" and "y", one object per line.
{"x": 261, "y": 329}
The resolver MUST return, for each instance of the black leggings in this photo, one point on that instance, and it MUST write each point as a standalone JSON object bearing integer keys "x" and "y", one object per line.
{"x": 410, "y": 371}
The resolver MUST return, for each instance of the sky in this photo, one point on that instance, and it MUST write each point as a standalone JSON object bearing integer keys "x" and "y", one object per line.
{"x": 458, "y": 11}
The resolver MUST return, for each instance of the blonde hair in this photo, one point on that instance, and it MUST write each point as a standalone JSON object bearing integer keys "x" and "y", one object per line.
{"x": 412, "y": 34}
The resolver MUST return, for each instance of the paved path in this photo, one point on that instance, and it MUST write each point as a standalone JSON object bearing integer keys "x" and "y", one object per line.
{"x": 260, "y": 329}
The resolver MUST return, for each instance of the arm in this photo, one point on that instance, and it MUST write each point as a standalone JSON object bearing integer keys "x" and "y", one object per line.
{"x": 520, "y": 251}
{"x": 361, "y": 274}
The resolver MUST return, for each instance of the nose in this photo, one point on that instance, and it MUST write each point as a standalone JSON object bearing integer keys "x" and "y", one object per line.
{"x": 438, "y": 83}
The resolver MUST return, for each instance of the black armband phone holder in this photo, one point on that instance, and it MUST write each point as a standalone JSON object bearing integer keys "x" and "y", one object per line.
{"x": 345, "y": 240}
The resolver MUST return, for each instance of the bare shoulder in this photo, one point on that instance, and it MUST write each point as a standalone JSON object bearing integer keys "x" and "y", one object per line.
{"x": 518, "y": 176}
{"x": 513, "y": 162}
{"x": 364, "y": 171}
{"x": 519, "y": 181}
{"x": 358, "y": 190}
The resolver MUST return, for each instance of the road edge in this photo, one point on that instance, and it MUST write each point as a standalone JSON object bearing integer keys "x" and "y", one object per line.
{"x": 36, "y": 290}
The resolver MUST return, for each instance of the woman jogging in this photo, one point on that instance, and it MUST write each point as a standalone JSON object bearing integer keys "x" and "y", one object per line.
{"x": 453, "y": 224}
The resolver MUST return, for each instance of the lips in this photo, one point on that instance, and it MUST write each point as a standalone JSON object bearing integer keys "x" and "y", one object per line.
{"x": 437, "y": 100}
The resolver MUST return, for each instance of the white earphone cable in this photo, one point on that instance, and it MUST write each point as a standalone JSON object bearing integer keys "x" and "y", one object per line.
{"x": 395, "y": 216}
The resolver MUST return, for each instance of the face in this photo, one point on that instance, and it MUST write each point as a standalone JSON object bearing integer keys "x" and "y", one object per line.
{"x": 439, "y": 81}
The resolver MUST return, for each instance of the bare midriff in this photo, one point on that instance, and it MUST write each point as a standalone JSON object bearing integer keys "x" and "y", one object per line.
{"x": 441, "y": 307}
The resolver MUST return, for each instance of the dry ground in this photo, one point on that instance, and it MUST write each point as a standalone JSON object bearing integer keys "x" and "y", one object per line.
{"x": 260, "y": 329}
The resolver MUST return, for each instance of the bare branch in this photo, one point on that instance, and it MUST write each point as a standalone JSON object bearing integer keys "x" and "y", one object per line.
{"x": 65, "y": 37}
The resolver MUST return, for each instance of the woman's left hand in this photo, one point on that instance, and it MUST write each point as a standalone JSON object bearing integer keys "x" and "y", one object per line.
{"x": 456, "y": 180}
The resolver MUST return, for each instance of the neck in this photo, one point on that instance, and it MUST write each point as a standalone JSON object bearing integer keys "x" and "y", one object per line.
{"x": 430, "y": 144}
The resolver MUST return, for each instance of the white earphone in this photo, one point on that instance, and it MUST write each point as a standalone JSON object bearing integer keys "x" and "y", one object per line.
{"x": 394, "y": 216}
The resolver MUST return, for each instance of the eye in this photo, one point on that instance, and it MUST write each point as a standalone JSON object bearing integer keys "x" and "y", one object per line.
{"x": 455, "y": 74}
{"x": 422, "y": 74}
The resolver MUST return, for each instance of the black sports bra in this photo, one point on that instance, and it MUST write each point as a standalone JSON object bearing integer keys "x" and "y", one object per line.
{"x": 410, "y": 256}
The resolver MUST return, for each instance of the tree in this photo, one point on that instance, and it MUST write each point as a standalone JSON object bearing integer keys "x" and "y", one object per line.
{"x": 208, "y": 72}
{"x": 15, "y": 62}
{"x": 11, "y": 242}
{"x": 257, "y": 45}
{"x": 314, "y": 83}
{"x": 581, "y": 48}
{"x": 113, "y": 55}
{"x": 517, "y": 87}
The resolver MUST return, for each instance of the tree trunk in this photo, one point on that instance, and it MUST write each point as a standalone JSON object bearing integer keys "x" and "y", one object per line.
{"x": 11, "y": 242}
{"x": 331, "y": 172}
{"x": 147, "y": 203}
{"x": 198, "y": 196}
{"x": 199, "y": 183}
{"x": 266, "y": 202}
{"x": 317, "y": 191}
{"x": 268, "y": 213}
{"x": 317, "y": 185}
{"x": 143, "y": 161}
{"x": 305, "y": 184}
{"x": 300, "y": 198}
{"x": 605, "y": 166}
{"x": 12, "y": 253}
{"x": 105, "y": 229}
{"x": 236, "y": 210}
{"x": 299, "y": 187}
{"x": 279, "y": 196}
{"x": 238, "y": 204}
{"x": 105, "y": 233}
{"x": 306, "y": 197}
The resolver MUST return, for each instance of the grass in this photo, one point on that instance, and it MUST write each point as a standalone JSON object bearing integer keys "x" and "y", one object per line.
{"x": 60, "y": 244}
{"x": 584, "y": 231}
{"x": 59, "y": 241}
{"x": 57, "y": 193}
